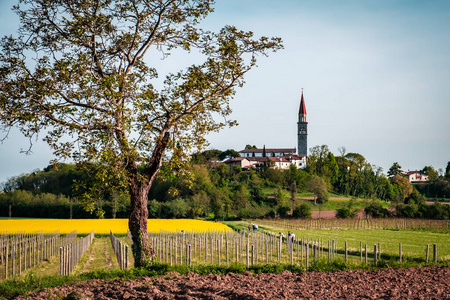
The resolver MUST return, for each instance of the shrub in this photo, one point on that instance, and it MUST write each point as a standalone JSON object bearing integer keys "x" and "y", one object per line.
{"x": 283, "y": 211}
{"x": 344, "y": 213}
{"x": 375, "y": 210}
{"x": 302, "y": 211}
{"x": 408, "y": 210}
{"x": 271, "y": 214}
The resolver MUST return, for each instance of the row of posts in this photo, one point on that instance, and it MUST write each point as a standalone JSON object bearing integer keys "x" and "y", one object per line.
{"x": 71, "y": 253}
{"x": 121, "y": 251}
{"x": 20, "y": 251}
{"x": 171, "y": 248}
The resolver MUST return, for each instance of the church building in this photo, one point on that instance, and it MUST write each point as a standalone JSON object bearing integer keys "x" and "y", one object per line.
{"x": 281, "y": 158}
{"x": 302, "y": 131}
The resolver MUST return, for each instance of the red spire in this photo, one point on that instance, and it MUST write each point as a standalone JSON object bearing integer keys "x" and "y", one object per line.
{"x": 302, "y": 110}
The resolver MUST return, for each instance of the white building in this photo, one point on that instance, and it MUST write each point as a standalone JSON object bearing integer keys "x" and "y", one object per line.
{"x": 416, "y": 176}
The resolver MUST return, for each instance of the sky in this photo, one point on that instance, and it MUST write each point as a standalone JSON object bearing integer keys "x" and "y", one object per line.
{"x": 375, "y": 77}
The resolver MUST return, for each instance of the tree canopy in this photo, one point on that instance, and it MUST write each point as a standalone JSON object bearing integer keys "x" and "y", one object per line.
{"x": 395, "y": 169}
{"x": 83, "y": 74}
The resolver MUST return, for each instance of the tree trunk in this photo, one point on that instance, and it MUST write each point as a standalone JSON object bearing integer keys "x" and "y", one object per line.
{"x": 143, "y": 252}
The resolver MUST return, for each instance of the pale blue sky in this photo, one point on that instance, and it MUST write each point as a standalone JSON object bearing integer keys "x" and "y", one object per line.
{"x": 375, "y": 74}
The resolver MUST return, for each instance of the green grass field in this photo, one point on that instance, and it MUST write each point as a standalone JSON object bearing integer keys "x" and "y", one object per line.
{"x": 414, "y": 242}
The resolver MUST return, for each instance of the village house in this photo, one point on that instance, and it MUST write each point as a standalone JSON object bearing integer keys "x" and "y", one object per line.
{"x": 416, "y": 176}
{"x": 278, "y": 162}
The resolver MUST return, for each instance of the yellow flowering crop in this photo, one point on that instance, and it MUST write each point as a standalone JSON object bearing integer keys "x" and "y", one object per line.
{"x": 103, "y": 226}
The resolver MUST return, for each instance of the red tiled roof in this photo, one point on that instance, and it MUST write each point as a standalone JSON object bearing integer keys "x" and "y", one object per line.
{"x": 302, "y": 110}
{"x": 279, "y": 159}
{"x": 286, "y": 158}
{"x": 260, "y": 159}
{"x": 270, "y": 150}
{"x": 412, "y": 172}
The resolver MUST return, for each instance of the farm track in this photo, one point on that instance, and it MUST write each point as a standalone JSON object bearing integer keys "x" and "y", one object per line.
{"x": 411, "y": 283}
{"x": 98, "y": 257}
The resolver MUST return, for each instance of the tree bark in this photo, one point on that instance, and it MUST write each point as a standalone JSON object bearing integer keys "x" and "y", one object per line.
{"x": 143, "y": 252}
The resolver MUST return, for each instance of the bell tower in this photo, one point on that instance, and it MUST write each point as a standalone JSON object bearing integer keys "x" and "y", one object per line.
{"x": 302, "y": 125}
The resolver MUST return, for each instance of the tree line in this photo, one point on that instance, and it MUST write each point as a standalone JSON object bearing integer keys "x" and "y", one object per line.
{"x": 209, "y": 188}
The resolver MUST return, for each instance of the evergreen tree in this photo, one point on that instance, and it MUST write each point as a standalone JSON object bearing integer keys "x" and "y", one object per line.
{"x": 395, "y": 169}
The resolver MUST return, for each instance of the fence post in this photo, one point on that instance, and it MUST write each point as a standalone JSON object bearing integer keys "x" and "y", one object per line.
{"x": 346, "y": 254}
{"x": 226, "y": 249}
{"x": 248, "y": 257}
{"x": 435, "y": 253}
{"x": 6, "y": 260}
{"x": 307, "y": 255}
{"x": 13, "y": 258}
{"x": 375, "y": 254}
{"x": 218, "y": 251}
{"x": 365, "y": 251}
{"x": 400, "y": 252}
{"x": 427, "y": 252}
{"x": 329, "y": 250}
{"x": 20, "y": 257}
{"x": 61, "y": 260}
{"x": 253, "y": 253}
{"x": 360, "y": 251}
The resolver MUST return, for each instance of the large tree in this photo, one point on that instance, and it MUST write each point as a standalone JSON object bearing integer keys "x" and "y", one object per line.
{"x": 395, "y": 169}
{"x": 83, "y": 73}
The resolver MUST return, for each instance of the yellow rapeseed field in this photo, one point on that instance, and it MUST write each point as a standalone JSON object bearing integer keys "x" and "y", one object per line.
{"x": 103, "y": 226}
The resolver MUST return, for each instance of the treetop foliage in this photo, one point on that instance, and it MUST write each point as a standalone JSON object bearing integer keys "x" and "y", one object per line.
{"x": 87, "y": 78}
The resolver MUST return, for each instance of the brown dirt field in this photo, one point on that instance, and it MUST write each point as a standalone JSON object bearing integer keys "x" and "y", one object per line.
{"x": 411, "y": 283}
{"x": 331, "y": 214}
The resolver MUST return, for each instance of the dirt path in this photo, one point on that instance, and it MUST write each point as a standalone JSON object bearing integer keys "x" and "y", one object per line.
{"x": 411, "y": 283}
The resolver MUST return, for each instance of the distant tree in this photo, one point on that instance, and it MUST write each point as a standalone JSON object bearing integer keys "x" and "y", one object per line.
{"x": 403, "y": 184}
{"x": 344, "y": 213}
{"x": 342, "y": 151}
{"x": 241, "y": 196}
{"x": 229, "y": 153}
{"x": 274, "y": 176}
{"x": 317, "y": 186}
{"x": 154, "y": 209}
{"x": 264, "y": 151}
{"x": 302, "y": 211}
{"x": 376, "y": 210}
{"x": 223, "y": 170}
{"x": 199, "y": 204}
{"x": 410, "y": 210}
{"x": 316, "y": 160}
{"x": 280, "y": 198}
{"x": 283, "y": 211}
{"x": 431, "y": 172}
{"x": 293, "y": 191}
{"x": 250, "y": 147}
{"x": 206, "y": 156}
{"x": 331, "y": 168}
{"x": 447, "y": 171}
{"x": 257, "y": 195}
{"x": 395, "y": 169}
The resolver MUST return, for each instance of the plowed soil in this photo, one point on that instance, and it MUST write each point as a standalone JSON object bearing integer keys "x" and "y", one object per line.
{"x": 411, "y": 283}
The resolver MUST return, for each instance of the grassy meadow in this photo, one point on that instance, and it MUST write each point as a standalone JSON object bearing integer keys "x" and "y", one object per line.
{"x": 414, "y": 242}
